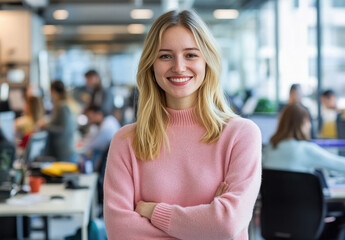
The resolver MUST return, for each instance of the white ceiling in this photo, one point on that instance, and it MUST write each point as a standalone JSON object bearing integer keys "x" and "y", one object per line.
{"x": 114, "y": 15}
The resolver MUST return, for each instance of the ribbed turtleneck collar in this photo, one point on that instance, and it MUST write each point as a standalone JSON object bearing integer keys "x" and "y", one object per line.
{"x": 182, "y": 117}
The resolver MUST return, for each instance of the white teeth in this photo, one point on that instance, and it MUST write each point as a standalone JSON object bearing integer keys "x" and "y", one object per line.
{"x": 179, "y": 79}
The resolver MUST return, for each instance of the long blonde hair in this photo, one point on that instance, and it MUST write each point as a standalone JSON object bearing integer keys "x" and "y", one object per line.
{"x": 211, "y": 109}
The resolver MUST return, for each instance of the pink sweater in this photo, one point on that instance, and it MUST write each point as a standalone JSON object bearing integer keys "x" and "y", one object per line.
{"x": 184, "y": 182}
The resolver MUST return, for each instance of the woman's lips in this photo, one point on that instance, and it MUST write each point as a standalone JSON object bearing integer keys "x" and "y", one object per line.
{"x": 179, "y": 81}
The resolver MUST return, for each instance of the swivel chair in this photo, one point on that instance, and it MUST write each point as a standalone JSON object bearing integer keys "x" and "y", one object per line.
{"x": 7, "y": 155}
{"x": 293, "y": 205}
{"x": 340, "y": 126}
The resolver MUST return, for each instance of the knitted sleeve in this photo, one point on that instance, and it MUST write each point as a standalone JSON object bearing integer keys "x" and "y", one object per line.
{"x": 227, "y": 216}
{"x": 121, "y": 221}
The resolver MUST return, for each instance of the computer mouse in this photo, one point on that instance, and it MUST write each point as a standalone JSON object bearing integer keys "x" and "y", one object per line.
{"x": 57, "y": 197}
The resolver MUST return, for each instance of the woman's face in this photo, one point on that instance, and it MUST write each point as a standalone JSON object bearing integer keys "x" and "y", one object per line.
{"x": 179, "y": 68}
{"x": 54, "y": 95}
{"x": 306, "y": 127}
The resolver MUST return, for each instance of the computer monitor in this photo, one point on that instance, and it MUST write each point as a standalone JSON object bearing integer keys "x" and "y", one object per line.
{"x": 267, "y": 123}
{"x": 36, "y": 146}
{"x": 7, "y": 125}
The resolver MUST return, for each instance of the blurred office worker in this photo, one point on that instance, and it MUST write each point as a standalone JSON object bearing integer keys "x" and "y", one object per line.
{"x": 99, "y": 95}
{"x": 329, "y": 111}
{"x": 26, "y": 124}
{"x": 61, "y": 126}
{"x": 290, "y": 149}
{"x": 295, "y": 97}
{"x": 107, "y": 126}
{"x": 188, "y": 156}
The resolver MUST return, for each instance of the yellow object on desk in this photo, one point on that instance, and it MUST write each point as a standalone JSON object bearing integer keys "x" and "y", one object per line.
{"x": 57, "y": 169}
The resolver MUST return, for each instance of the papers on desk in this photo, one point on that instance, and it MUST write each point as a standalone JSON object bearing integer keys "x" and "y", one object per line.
{"x": 27, "y": 200}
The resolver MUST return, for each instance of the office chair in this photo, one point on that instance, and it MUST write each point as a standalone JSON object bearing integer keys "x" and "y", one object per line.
{"x": 8, "y": 229}
{"x": 340, "y": 123}
{"x": 100, "y": 169}
{"x": 293, "y": 205}
{"x": 7, "y": 156}
{"x": 340, "y": 126}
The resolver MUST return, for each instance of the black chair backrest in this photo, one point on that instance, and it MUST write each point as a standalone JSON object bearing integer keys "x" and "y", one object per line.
{"x": 7, "y": 156}
{"x": 340, "y": 127}
{"x": 293, "y": 205}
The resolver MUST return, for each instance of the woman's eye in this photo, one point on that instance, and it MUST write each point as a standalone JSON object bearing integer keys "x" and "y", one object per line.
{"x": 191, "y": 55}
{"x": 164, "y": 56}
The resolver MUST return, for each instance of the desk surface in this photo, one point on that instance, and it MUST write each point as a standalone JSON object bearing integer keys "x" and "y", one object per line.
{"x": 75, "y": 201}
{"x": 337, "y": 193}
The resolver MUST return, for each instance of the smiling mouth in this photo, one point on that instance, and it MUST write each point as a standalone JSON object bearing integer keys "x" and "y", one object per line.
{"x": 179, "y": 79}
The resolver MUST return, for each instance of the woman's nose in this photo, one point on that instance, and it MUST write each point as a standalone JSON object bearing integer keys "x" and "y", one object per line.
{"x": 179, "y": 65}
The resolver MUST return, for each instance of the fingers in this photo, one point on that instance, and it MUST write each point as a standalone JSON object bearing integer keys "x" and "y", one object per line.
{"x": 223, "y": 188}
{"x": 138, "y": 207}
{"x": 145, "y": 209}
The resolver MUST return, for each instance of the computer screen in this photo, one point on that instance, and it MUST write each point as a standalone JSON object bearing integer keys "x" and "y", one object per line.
{"x": 7, "y": 125}
{"x": 267, "y": 124}
{"x": 36, "y": 146}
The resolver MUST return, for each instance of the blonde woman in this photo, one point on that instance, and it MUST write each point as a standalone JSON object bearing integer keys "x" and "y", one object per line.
{"x": 27, "y": 124}
{"x": 189, "y": 168}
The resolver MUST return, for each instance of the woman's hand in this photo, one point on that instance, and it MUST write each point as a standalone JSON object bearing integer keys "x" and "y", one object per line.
{"x": 145, "y": 209}
{"x": 223, "y": 188}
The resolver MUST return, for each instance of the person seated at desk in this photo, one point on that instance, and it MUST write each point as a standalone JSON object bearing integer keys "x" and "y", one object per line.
{"x": 106, "y": 126}
{"x": 289, "y": 148}
{"x": 329, "y": 111}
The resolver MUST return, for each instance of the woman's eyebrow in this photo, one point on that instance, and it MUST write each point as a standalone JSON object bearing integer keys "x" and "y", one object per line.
{"x": 186, "y": 49}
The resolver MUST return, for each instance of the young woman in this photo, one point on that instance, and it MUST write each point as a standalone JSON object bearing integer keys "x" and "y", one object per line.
{"x": 290, "y": 148}
{"x": 27, "y": 124}
{"x": 189, "y": 168}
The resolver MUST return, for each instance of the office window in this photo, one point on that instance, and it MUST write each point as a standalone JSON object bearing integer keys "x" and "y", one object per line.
{"x": 297, "y": 50}
{"x": 333, "y": 47}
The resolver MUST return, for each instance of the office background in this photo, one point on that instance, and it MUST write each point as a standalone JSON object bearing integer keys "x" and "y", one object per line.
{"x": 266, "y": 45}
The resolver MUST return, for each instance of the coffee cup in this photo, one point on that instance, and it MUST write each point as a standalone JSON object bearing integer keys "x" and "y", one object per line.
{"x": 35, "y": 183}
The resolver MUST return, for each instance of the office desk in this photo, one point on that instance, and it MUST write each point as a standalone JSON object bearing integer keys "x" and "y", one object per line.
{"x": 337, "y": 194}
{"x": 77, "y": 201}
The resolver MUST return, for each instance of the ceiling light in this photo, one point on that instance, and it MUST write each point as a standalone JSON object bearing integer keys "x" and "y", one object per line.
{"x": 225, "y": 14}
{"x": 141, "y": 13}
{"x": 136, "y": 28}
{"x": 60, "y": 14}
{"x": 99, "y": 37}
{"x": 102, "y": 29}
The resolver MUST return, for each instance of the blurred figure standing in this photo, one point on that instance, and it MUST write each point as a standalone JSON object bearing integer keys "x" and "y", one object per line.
{"x": 295, "y": 94}
{"x": 329, "y": 113}
{"x": 61, "y": 126}
{"x": 99, "y": 96}
{"x": 295, "y": 97}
